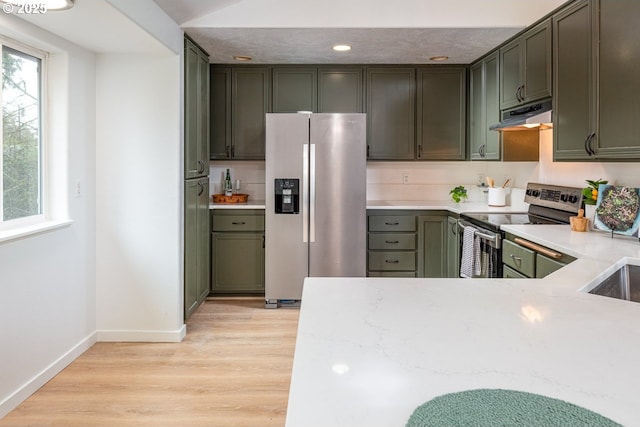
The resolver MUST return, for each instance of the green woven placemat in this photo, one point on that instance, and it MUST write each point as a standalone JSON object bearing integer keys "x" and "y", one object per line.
{"x": 492, "y": 408}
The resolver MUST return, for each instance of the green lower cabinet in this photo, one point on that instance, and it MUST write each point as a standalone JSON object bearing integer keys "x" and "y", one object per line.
{"x": 237, "y": 252}
{"x": 510, "y": 273}
{"x": 196, "y": 244}
{"x": 432, "y": 245}
{"x": 453, "y": 247}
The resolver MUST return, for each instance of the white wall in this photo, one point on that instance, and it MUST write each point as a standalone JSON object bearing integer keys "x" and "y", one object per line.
{"x": 47, "y": 281}
{"x": 139, "y": 198}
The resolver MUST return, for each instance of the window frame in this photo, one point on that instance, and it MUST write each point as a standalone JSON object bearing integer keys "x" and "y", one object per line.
{"x": 19, "y": 225}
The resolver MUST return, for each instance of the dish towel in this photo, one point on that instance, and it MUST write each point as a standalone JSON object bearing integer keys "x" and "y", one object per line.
{"x": 470, "y": 263}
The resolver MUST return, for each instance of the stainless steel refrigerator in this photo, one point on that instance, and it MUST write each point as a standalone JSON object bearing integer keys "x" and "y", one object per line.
{"x": 315, "y": 210}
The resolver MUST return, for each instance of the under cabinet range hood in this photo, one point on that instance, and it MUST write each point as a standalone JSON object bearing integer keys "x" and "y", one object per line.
{"x": 534, "y": 115}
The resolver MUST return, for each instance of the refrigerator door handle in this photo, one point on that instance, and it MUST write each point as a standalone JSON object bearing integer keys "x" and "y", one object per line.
{"x": 312, "y": 194}
{"x": 305, "y": 193}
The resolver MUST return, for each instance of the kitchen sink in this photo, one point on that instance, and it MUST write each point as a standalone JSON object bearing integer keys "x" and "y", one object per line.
{"x": 623, "y": 283}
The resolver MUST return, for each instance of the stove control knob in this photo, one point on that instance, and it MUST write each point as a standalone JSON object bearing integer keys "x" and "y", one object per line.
{"x": 564, "y": 197}
{"x": 573, "y": 198}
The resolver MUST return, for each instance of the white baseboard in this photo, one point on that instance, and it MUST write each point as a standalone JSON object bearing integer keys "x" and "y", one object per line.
{"x": 20, "y": 395}
{"x": 142, "y": 336}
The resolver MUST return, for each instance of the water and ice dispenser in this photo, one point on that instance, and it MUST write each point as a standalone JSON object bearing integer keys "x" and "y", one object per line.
{"x": 287, "y": 193}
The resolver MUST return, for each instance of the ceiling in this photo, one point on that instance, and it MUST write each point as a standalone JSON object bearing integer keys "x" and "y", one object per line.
{"x": 379, "y": 31}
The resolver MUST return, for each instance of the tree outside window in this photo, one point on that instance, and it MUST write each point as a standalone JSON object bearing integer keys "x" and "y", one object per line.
{"x": 20, "y": 164}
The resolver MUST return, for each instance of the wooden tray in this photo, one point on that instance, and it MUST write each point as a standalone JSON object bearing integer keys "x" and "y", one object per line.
{"x": 236, "y": 198}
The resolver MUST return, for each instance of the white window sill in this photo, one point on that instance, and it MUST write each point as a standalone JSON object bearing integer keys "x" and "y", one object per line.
{"x": 21, "y": 232}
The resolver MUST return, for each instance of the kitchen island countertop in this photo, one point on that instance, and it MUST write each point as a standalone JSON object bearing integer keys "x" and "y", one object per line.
{"x": 370, "y": 350}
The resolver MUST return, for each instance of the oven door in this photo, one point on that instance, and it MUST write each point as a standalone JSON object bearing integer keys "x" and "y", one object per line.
{"x": 490, "y": 250}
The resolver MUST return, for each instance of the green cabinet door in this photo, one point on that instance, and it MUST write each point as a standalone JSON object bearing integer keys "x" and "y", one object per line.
{"x": 441, "y": 113}
{"x": 574, "y": 88}
{"x": 196, "y": 111}
{"x": 390, "y": 113}
{"x": 294, "y": 89}
{"x": 237, "y": 251}
{"x": 250, "y": 100}
{"x": 618, "y": 80}
{"x": 525, "y": 67}
{"x": 484, "y": 108}
{"x": 220, "y": 113}
{"x": 453, "y": 248}
{"x": 237, "y": 262}
{"x": 432, "y": 245}
{"x": 196, "y": 244}
{"x": 340, "y": 90}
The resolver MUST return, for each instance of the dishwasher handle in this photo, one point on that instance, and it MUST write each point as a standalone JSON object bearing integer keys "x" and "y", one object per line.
{"x": 487, "y": 235}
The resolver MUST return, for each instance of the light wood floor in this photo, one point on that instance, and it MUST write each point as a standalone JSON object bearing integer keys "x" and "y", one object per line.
{"x": 232, "y": 369}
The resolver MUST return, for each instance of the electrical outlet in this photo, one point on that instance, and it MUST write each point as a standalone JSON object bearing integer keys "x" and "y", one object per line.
{"x": 405, "y": 178}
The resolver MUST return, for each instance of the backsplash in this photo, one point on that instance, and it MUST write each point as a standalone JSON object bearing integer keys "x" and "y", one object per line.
{"x": 434, "y": 180}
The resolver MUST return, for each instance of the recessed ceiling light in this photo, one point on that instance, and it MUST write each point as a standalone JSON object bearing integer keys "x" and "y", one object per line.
{"x": 45, "y": 4}
{"x": 439, "y": 58}
{"x": 341, "y": 47}
{"x": 242, "y": 58}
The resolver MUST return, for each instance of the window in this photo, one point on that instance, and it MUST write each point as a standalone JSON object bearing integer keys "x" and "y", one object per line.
{"x": 21, "y": 139}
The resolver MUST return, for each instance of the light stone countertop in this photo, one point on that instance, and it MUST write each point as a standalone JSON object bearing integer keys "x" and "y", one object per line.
{"x": 447, "y": 205}
{"x": 251, "y": 204}
{"x": 370, "y": 350}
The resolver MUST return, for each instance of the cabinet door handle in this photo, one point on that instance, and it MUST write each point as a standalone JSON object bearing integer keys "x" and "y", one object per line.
{"x": 228, "y": 151}
{"x": 516, "y": 259}
{"x": 368, "y": 146}
{"x": 238, "y": 223}
{"x": 588, "y": 143}
{"x": 391, "y": 223}
{"x": 519, "y": 92}
{"x": 392, "y": 242}
{"x": 534, "y": 247}
{"x": 392, "y": 261}
{"x": 200, "y": 166}
{"x": 419, "y": 151}
{"x": 200, "y": 188}
{"x": 482, "y": 150}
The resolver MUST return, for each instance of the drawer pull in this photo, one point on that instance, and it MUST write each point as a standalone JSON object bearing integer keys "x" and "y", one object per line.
{"x": 538, "y": 248}
{"x": 393, "y": 242}
{"x": 515, "y": 258}
{"x": 239, "y": 223}
{"x": 392, "y": 261}
{"x": 391, "y": 223}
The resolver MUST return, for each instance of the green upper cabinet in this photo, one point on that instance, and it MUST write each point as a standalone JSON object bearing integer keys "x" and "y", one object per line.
{"x": 574, "y": 89}
{"x": 441, "y": 113}
{"x": 250, "y": 96}
{"x": 220, "y": 110}
{"x": 340, "y": 90}
{"x": 484, "y": 108}
{"x": 240, "y": 98}
{"x": 596, "y": 105}
{"x": 295, "y": 89}
{"x": 390, "y": 113}
{"x": 618, "y": 80}
{"x": 196, "y": 111}
{"x": 525, "y": 67}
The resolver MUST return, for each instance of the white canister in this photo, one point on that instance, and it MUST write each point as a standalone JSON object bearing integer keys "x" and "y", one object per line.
{"x": 497, "y": 196}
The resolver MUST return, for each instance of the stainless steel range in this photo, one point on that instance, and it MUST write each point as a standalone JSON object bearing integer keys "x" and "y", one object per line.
{"x": 548, "y": 204}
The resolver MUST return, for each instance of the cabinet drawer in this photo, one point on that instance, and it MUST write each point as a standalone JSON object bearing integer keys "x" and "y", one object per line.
{"x": 392, "y": 261}
{"x": 519, "y": 258}
{"x": 546, "y": 266}
{"x": 392, "y": 223}
{"x": 510, "y": 273}
{"x": 237, "y": 223}
{"x": 392, "y": 241}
